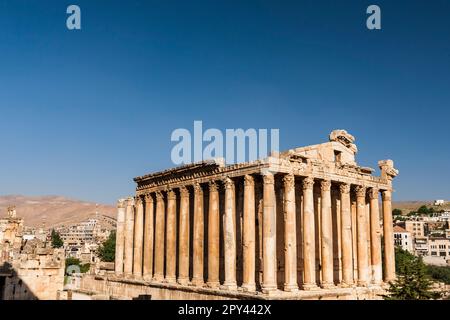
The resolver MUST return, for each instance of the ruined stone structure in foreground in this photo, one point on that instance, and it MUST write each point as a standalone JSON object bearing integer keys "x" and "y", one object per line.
{"x": 29, "y": 269}
{"x": 302, "y": 224}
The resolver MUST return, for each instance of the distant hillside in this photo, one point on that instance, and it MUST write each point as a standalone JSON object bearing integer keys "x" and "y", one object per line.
{"x": 54, "y": 210}
{"x": 407, "y": 206}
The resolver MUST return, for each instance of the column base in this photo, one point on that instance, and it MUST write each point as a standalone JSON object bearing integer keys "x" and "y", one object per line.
{"x": 128, "y": 276}
{"x": 346, "y": 284}
{"x": 310, "y": 286}
{"x": 158, "y": 278}
{"x": 213, "y": 284}
{"x": 147, "y": 277}
{"x": 362, "y": 283}
{"x": 268, "y": 288}
{"x": 170, "y": 280}
{"x": 290, "y": 288}
{"x": 197, "y": 282}
{"x": 232, "y": 286}
{"x": 327, "y": 285}
{"x": 248, "y": 287}
{"x": 183, "y": 281}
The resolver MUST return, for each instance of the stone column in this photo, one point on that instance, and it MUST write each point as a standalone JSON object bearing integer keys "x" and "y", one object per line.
{"x": 375, "y": 237}
{"x": 229, "y": 229}
{"x": 198, "y": 246}
{"x": 129, "y": 237}
{"x": 249, "y": 238}
{"x": 269, "y": 234}
{"x": 171, "y": 237}
{"x": 138, "y": 237}
{"x": 183, "y": 244}
{"x": 213, "y": 236}
{"x": 389, "y": 253}
{"x": 361, "y": 221}
{"x": 148, "y": 238}
{"x": 290, "y": 235}
{"x": 346, "y": 235}
{"x": 160, "y": 222}
{"x": 120, "y": 237}
{"x": 326, "y": 235}
{"x": 309, "y": 253}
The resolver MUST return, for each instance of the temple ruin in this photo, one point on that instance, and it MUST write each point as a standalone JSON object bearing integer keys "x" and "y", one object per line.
{"x": 307, "y": 223}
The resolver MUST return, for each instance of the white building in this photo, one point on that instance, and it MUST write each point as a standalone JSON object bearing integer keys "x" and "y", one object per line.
{"x": 403, "y": 239}
{"x": 439, "y": 202}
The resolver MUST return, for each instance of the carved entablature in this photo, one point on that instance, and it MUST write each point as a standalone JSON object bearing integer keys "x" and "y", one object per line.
{"x": 333, "y": 160}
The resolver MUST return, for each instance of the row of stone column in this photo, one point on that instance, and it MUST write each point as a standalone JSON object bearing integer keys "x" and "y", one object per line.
{"x": 148, "y": 249}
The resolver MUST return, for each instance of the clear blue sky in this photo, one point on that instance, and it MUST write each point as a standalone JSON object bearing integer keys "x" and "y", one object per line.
{"x": 83, "y": 112}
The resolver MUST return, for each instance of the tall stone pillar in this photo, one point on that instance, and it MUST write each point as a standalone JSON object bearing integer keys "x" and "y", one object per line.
{"x": 269, "y": 234}
{"x": 183, "y": 244}
{"x": 129, "y": 238}
{"x": 198, "y": 246}
{"x": 120, "y": 237}
{"x": 346, "y": 235}
{"x": 160, "y": 222}
{"x": 138, "y": 237}
{"x": 290, "y": 235}
{"x": 389, "y": 253}
{"x": 327, "y": 235}
{"x": 249, "y": 252}
{"x": 309, "y": 253}
{"x": 148, "y": 238}
{"x": 229, "y": 229}
{"x": 362, "y": 250}
{"x": 171, "y": 237}
{"x": 213, "y": 236}
{"x": 375, "y": 237}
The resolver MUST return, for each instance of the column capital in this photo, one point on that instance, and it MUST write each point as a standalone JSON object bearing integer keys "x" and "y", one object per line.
{"x": 249, "y": 180}
{"x": 130, "y": 201}
{"x": 360, "y": 191}
{"x": 373, "y": 193}
{"x": 212, "y": 186}
{"x": 289, "y": 181}
{"x": 325, "y": 185}
{"x": 121, "y": 203}
{"x": 268, "y": 178}
{"x": 184, "y": 192}
{"x": 344, "y": 188}
{"x": 138, "y": 200}
{"x": 159, "y": 195}
{"x": 308, "y": 183}
{"x": 228, "y": 183}
{"x": 386, "y": 194}
{"x": 148, "y": 197}
{"x": 171, "y": 194}
{"x": 197, "y": 187}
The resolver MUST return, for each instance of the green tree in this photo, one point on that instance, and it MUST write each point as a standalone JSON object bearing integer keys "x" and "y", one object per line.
{"x": 76, "y": 262}
{"x": 396, "y": 212}
{"x": 56, "y": 239}
{"x": 107, "y": 250}
{"x": 439, "y": 273}
{"x": 412, "y": 282}
{"x": 424, "y": 210}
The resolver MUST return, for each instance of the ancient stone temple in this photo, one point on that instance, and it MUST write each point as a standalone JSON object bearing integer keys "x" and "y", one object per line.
{"x": 305, "y": 223}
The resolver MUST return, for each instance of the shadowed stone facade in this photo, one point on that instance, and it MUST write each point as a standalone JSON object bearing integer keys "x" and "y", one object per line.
{"x": 301, "y": 224}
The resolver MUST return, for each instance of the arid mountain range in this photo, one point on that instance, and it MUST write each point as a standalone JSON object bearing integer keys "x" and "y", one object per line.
{"x": 53, "y": 210}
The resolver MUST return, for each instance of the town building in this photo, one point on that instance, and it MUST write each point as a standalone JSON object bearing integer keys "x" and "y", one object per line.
{"x": 301, "y": 224}
{"x": 416, "y": 228}
{"x": 403, "y": 239}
